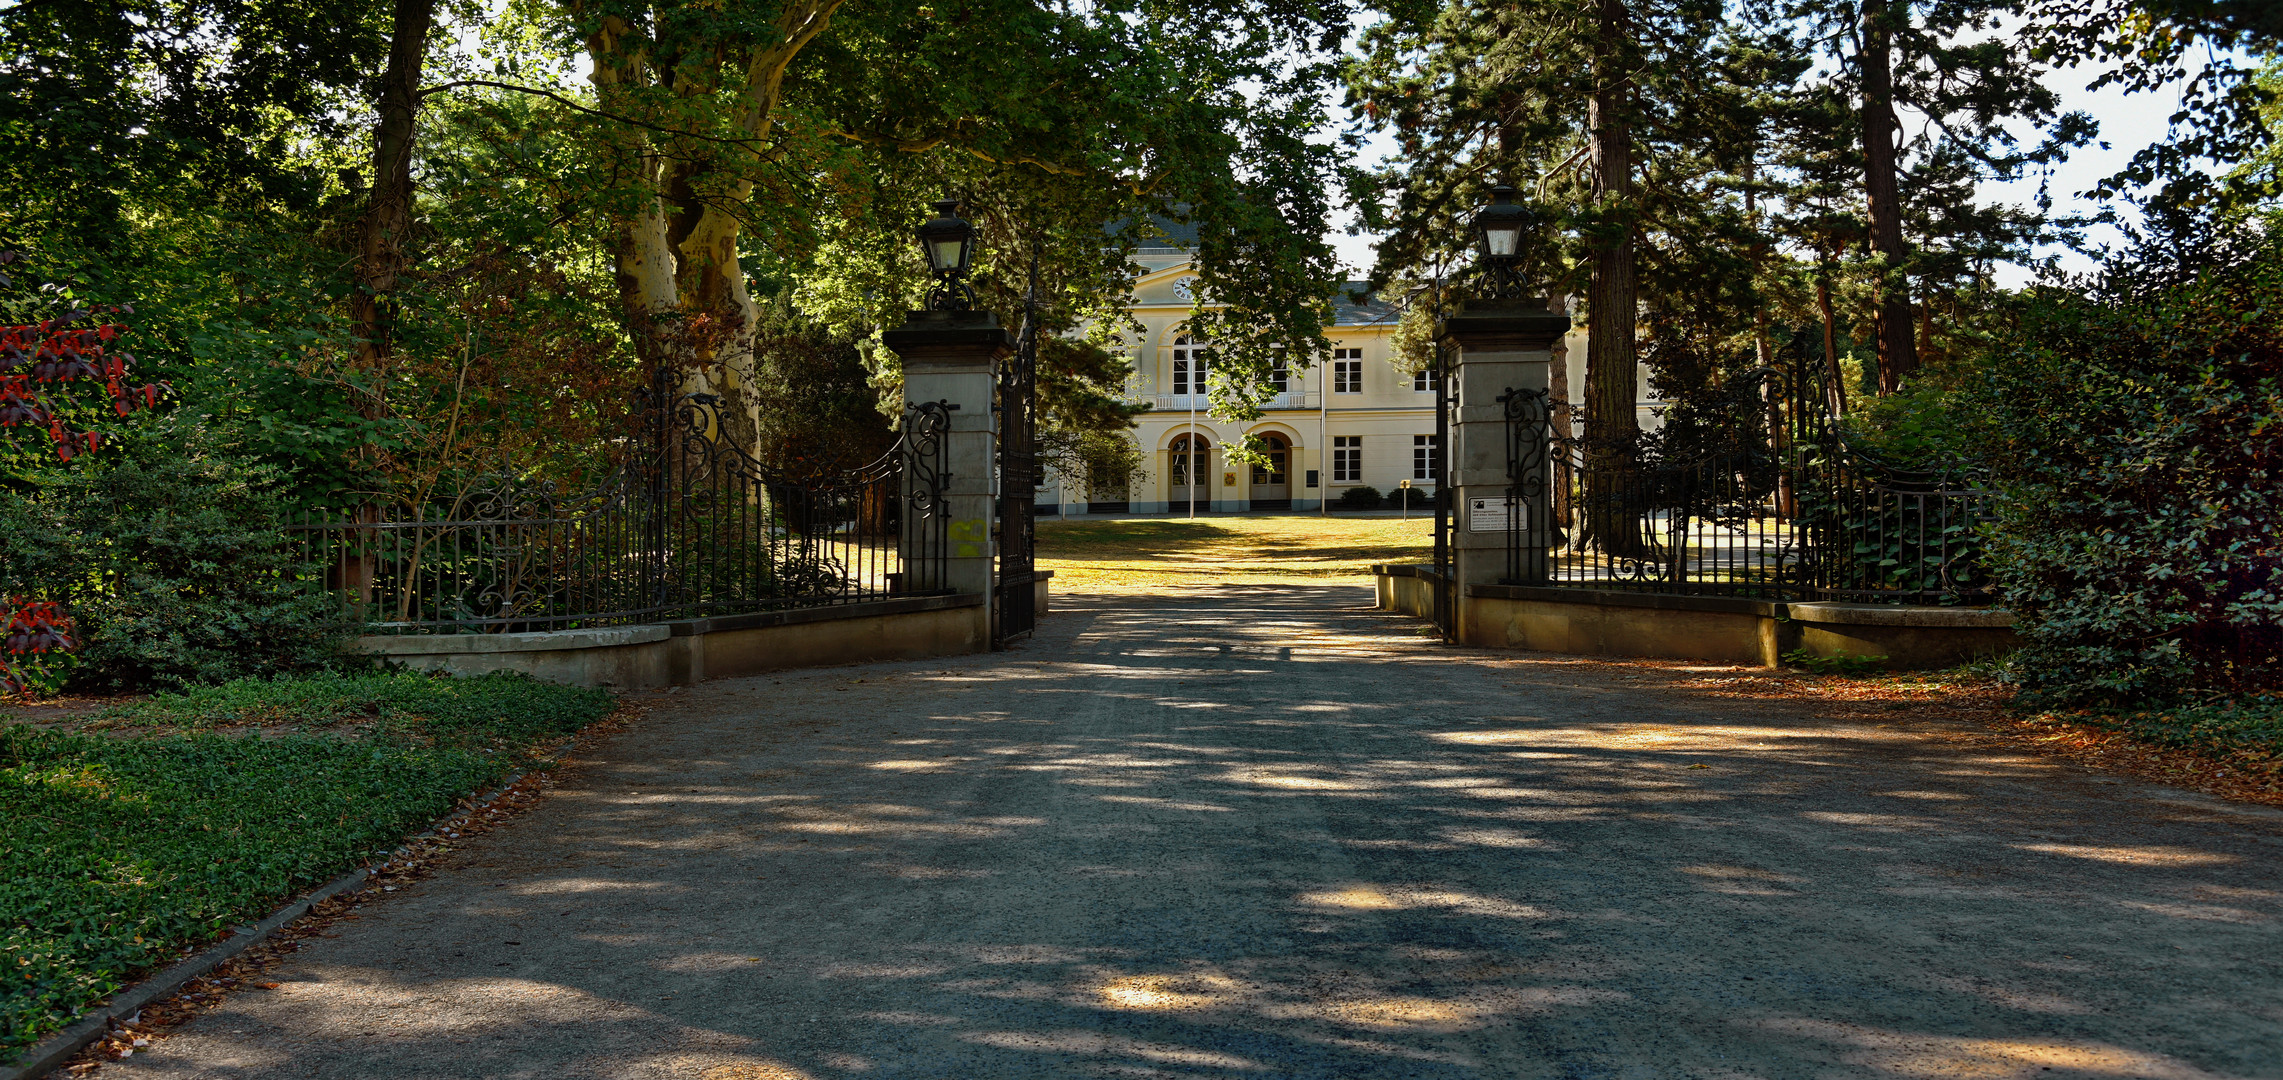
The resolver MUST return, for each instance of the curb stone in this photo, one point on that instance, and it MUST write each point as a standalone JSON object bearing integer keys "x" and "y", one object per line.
{"x": 51, "y": 1053}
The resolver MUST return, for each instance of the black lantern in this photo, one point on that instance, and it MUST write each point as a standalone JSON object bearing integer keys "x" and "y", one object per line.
{"x": 1498, "y": 230}
{"x": 949, "y": 245}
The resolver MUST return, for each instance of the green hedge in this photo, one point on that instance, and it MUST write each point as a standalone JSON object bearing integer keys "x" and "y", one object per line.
{"x": 119, "y": 851}
{"x": 2135, "y": 426}
{"x": 175, "y": 567}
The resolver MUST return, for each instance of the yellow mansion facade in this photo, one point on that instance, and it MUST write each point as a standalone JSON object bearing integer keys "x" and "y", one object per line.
{"x": 1355, "y": 421}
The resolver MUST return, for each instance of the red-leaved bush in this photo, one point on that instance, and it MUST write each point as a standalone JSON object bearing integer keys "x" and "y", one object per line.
{"x": 45, "y": 370}
{"x": 38, "y": 637}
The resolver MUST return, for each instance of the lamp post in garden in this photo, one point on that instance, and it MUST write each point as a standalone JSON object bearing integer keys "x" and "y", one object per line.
{"x": 951, "y": 355}
{"x": 1497, "y": 466}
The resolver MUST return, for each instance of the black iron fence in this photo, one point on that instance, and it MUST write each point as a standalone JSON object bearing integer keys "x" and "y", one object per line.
{"x": 1777, "y": 504}
{"x": 688, "y": 526}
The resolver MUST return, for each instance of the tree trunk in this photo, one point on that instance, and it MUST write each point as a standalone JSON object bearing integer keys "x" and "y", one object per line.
{"x": 1836, "y": 399}
{"x": 1763, "y": 351}
{"x": 380, "y": 236}
{"x": 388, "y": 212}
{"x": 1898, "y": 353}
{"x": 1612, "y": 360}
{"x": 676, "y": 253}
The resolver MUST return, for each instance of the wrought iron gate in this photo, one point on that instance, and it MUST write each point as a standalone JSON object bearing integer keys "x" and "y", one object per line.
{"x": 1444, "y": 584}
{"x": 1014, "y": 611}
{"x": 685, "y": 526}
{"x": 1772, "y": 502}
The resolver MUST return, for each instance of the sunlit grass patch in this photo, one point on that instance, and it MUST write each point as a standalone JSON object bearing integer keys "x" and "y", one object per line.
{"x": 1142, "y": 554}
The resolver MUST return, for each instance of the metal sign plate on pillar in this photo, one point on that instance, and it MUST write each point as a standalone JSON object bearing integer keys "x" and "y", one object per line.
{"x": 1495, "y": 515}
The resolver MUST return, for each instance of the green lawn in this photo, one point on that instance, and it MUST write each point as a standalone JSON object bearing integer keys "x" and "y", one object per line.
{"x": 1152, "y": 553}
{"x": 158, "y": 825}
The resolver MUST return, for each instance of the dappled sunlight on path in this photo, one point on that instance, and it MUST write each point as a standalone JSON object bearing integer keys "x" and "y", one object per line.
{"x": 1263, "y": 832}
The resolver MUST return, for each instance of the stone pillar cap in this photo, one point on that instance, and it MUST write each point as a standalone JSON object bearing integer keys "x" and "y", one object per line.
{"x": 955, "y": 329}
{"x": 1516, "y": 324}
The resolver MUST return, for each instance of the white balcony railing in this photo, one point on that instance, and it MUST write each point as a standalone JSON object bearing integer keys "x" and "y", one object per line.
{"x": 1184, "y": 402}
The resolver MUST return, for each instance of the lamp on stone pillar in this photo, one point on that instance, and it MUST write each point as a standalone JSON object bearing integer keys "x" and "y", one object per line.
{"x": 951, "y": 355}
{"x": 1503, "y": 348}
{"x": 949, "y": 244}
{"x": 1501, "y": 231}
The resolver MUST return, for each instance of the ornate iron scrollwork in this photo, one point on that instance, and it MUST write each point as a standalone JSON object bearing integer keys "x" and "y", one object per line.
{"x": 925, "y": 425}
{"x": 1529, "y": 459}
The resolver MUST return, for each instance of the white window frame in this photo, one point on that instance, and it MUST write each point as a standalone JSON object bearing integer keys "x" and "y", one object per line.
{"x": 1425, "y": 449}
{"x": 1347, "y": 371}
{"x": 1189, "y": 367}
{"x": 1423, "y": 380}
{"x": 1347, "y": 459}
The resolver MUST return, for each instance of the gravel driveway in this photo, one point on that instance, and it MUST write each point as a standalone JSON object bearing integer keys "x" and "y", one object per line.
{"x": 1263, "y": 832}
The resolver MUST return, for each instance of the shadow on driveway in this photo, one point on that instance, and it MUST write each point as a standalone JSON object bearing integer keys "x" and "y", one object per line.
{"x": 1262, "y": 832}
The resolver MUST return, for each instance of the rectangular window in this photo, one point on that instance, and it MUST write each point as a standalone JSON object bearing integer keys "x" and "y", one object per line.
{"x": 1280, "y": 376}
{"x": 1347, "y": 371}
{"x": 1426, "y": 455}
{"x": 1347, "y": 459}
{"x": 1425, "y": 380}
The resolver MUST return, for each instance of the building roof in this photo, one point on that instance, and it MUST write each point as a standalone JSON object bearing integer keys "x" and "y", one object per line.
{"x": 1373, "y": 311}
{"x": 1177, "y": 236}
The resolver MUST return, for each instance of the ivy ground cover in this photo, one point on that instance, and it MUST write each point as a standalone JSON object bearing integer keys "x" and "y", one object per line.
{"x": 158, "y": 826}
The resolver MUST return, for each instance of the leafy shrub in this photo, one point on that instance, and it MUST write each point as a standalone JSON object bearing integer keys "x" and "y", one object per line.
{"x": 2137, "y": 429}
{"x": 173, "y": 568}
{"x": 1358, "y": 498}
{"x": 1419, "y": 498}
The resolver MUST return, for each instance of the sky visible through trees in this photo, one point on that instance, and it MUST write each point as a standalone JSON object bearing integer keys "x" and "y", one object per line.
{"x": 2128, "y": 122}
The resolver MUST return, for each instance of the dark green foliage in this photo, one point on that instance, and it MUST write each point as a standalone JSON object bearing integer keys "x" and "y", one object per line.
{"x": 2249, "y": 728}
{"x": 1418, "y": 498}
{"x": 502, "y": 706}
{"x": 1842, "y": 664}
{"x": 174, "y": 568}
{"x": 117, "y": 101}
{"x": 1358, "y": 498}
{"x": 117, "y": 853}
{"x": 818, "y": 406}
{"x": 2137, "y": 432}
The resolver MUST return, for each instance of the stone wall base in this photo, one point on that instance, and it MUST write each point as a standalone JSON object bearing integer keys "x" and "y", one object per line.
{"x": 694, "y": 650}
{"x": 1591, "y": 622}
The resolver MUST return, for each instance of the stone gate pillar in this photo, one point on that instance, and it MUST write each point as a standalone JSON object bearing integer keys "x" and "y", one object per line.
{"x": 1501, "y": 347}
{"x": 952, "y": 357}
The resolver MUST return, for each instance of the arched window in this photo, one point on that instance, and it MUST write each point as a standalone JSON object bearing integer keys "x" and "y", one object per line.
{"x": 1189, "y": 361}
{"x": 1279, "y": 454}
{"x": 1191, "y": 458}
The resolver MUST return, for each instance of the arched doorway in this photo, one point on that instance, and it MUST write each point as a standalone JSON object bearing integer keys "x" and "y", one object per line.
{"x": 1191, "y": 469}
{"x": 1272, "y": 483}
